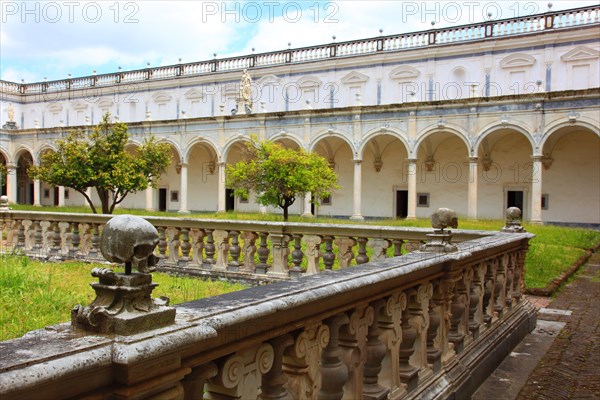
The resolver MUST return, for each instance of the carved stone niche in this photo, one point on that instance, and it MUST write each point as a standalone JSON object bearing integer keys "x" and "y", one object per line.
{"x": 123, "y": 303}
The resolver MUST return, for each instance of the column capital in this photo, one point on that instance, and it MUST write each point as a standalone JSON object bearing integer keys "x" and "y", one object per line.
{"x": 537, "y": 157}
{"x": 412, "y": 160}
{"x": 357, "y": 161}
{"x": 472, "y": 159}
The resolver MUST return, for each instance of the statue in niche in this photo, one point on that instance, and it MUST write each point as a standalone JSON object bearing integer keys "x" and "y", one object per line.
{"x": 246, "y": 92}
{"x": 11, "y": 113}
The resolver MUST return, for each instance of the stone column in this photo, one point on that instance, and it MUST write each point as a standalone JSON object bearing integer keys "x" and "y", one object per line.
{"x": 37, "y": 188}
{"x": 357, "y": 208}
{"x": 412, "y": 189}
{"x": 221, "y": 187}
{"x": 11, "y": 183}
{"x": 472, "y": 191}
{"x": 150, "y": 199}
{"x": 61, "y": 196}
{"x": 184, "y": 190}
{"x": 307, "y": 204}
{"x": 536, "y": 191}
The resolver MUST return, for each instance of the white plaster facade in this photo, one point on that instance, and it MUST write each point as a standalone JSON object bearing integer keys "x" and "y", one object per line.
{"x": 410, "y": 122}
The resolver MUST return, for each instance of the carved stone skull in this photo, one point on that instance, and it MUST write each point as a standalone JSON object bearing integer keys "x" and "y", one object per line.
{"x": 127, "y": 238}
{"x": 443, "y": 218}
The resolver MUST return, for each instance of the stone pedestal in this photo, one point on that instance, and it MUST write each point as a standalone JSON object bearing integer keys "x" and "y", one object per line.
{"x": 123, "y": 305}
{"x": 439, "y": 242}
{"x": 10, "y": 125}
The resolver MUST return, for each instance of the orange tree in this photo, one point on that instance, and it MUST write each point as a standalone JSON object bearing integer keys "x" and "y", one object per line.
{"x": 98, "y": 159}
{"x": 278, "y": 175}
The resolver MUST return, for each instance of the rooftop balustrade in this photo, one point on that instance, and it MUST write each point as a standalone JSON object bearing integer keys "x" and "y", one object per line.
{"x": 489, "y": 30}
{"x": 426, "y": 324}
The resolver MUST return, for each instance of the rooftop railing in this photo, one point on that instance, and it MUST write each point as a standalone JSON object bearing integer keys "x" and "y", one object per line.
{"x": 479, "y": 31}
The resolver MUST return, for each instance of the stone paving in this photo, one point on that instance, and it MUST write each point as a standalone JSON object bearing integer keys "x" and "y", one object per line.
{"x": 571, "y": 367}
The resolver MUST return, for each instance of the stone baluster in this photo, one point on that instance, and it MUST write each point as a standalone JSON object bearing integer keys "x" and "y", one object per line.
{"x": 328, "y": 255}
{"x": 84, "y": 247}
{"x": 20, "y": 243}
{"x": 186, "y": 247}
{"x": 447, "y": 293}
{"x": 263, "y": 254}
{"x": 95, "y": 241}
{"x": 397, "y": 247}
{"x": 193, "y": 383}
{"x": 249, "y": 250}
{"x": 362, "y": 257}
{"x": 519, "y": 280}
{"x": 174, "y": 246}
{"x": 409, "y": 374}
{"x": 274, "y": 381}
{"x": 376, "y": 351}
{"x": 499, "y": 287}
{"x": 162, "y": 244}
{"x": 301, "y": 361}
{"x": 510, "y": 270}
{"x": 209, "y": 250}
{"x": 75, "y": 240}
{"x": 379, "y": 247}
{"x": 476, "y": 300}
{"x": 353, "y": 342}
{"x": 457, "y": 313}
{"x": 488, "y": 291}
{"x": 390, "y": 322}
{"x": 281, "y": 252}
{"x": 222, "y": 249}
{"x": 312, "y": 254}
{"x": 418, "y": 310}
{"x": 29, "y": 235}
{"x": 56, "y": 244}
{"x": 240, "y": 374}
{"x": 345, "y": 253}
{"x": 297, "y": 256}
{"x": 235, "y": 251}
{"x": 38, "y": 242}
{"x": 435, "y": 336}
{"x": 334, "y": 373}
{"x": 197, "y": 247}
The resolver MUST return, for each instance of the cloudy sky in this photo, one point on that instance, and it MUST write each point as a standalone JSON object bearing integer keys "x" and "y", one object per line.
{"x": 55, "y": 38}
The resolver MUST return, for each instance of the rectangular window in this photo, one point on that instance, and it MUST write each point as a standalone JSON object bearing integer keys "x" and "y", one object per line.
{"x": 326, "y": 201}
{"x": 46, "y": 193}
{"x": 422, "y": 199}
{"x": 174, "y": 196}
{"x": 545, "y": 202}
{"x": 66, "y": 194}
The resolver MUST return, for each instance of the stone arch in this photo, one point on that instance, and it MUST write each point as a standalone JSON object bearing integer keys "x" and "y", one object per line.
{"x": 174, "y": 147}
{"x": 45, "y": 147}
{"x": 566, "y": 123}
{"x": 495, "y": 127}
{"x": 441, "y": 128}
{"x": 232, "y": 143}
{"x": 330, "y": 133}
{"x": 570, "y": 170}
{"x": 396, "y": 133}
{"x": 24, "y": 158}
{"x": 287, "y": 140}
{"x": 199, "y": 140}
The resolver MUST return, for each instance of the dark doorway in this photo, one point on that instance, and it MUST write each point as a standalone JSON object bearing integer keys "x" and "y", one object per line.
{"x": 162, "y": 199}
{"x": 514, "y": 198}
{"x": 229, "y": 200}
{"x": 401, "y": 203}
{"x": 55, "y": 196}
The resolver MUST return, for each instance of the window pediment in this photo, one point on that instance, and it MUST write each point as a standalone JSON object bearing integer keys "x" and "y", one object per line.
{"x": 55, "y": 108}
{"x": 80, "y": 106}
{"x": 580, "y": 53}
{"x": 268, "y": 80}
{"x": 161, "y": 97}
{"x": 354, "y": 78}
{"x": 404, "y": 72}
{"x": 309, "y": 82}
{"x": 105, "y": 104}
{"x": 519, "y": 60}
{"x": 193, "y": 94}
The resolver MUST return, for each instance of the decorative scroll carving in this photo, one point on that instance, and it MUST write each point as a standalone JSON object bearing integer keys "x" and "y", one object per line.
{"x": 222, "y": 249}
{"x": 353, "y": 341}
{"x": 312, "y": 254}
{"x": 345, "y": 254}
{"x": 376, "y": 351}
{"x": 390, "y": 322}
{"x": 240, "y": 374}
{"x": 273, "y": 382}
{"x": 301, "y": 362}
{"x": 379, "y": 247}
{"x": 249, "y": 250}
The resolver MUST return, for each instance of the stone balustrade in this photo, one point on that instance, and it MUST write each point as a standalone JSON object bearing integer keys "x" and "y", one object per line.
{"x": 421, "y": 325}
{"x": 477, "y": 31}
{"x": 237, "y": 249}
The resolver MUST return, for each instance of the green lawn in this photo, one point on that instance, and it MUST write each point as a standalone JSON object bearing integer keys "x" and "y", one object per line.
{"x": 36, "y": 294}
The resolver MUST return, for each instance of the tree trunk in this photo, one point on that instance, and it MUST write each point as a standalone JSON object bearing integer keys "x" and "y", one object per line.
{"x": 285, "y": 213}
